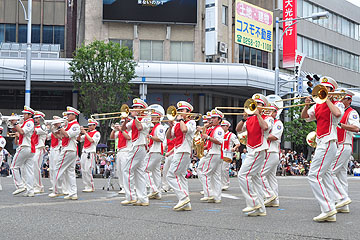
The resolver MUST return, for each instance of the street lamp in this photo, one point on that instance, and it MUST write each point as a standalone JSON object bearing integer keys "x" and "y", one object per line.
{"x": 314, "y": 16}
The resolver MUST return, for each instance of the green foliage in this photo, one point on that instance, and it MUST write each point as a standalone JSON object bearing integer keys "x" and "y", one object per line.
{"x": 296, "y": 130}
{"x": 101, "y": 73}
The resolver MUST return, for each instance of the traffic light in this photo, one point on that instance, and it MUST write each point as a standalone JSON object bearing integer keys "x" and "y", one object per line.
{"x": 313, "y": 80}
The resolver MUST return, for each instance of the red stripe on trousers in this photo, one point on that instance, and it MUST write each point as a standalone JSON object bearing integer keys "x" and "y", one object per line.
{"x": 130, "y": 170}
{"x": 17, "y": 185}
{"x": 317, "y": 177}
{"x": 247, "y": 181}
{"x": 262, "y": 173}
{"x": 91, "y": 176}
{"x": 177, "y": 179}
{"x": 59, "y": 171}
{"x": 147, "y": 165}
{"x": 39, "y": 168}
{"x": 334, "y": 168}
{"x": 207, "y": 170}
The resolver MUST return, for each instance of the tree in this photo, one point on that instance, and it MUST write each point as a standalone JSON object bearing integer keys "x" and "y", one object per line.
{"x": 296, "y": 130}
{"x": 101, "y": 72}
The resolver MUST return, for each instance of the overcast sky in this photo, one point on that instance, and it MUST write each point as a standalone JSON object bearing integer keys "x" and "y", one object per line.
{"x": 356, "y": 2}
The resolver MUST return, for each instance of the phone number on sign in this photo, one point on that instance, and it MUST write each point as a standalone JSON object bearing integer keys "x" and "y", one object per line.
{"x": 250, "y": 42}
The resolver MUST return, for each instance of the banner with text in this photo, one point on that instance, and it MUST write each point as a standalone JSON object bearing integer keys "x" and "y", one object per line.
{"x": 253, "y": 26}
{"x": 290, "y": 36}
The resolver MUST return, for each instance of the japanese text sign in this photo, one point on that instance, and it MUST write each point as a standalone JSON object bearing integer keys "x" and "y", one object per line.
{"x": 253, "y": 26}
{"x": 290, "y": 36}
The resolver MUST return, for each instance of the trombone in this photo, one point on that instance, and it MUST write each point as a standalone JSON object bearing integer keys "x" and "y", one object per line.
{"x": 171, "y": 114}
{"x": 319, "y": 94}
{"x": 231, "y": 108}
{"x": 249, "y": 108}
{"x": 124, "y": 113}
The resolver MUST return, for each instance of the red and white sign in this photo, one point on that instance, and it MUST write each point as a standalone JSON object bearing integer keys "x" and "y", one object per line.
{"x": 290, "y": 36}
{"x": 299, "y": 59}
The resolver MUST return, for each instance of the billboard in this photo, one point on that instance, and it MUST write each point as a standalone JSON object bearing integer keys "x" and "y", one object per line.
{"x": 290, "y": 36}
{"x": 253, "y": 26}
{"x": 161, "y": 11}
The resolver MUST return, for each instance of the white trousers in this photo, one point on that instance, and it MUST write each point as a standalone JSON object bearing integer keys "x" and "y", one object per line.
{"x": 38, "y": 160}
{"x": 65, "y": 169}
{"x": 177, "y": 173}
{"x": 320, "y": 175}
{"x": 87, "y": 162}
{"x": 225, "y": 178}
{"x": 211, "y": 176}
{"x": 268, "y": 175}
{"x": 339, "y": 172}
{"x": 152, "y": 171}
{"x": 134, "y": 176}
{"x": 165, "y": 171}
{"x": 23, "y": 159}
{"x": 200, "y": 168}
{"x": 121, "y": 157}
{"x": 249, "y": 179}
{"x": 53, "y": 157}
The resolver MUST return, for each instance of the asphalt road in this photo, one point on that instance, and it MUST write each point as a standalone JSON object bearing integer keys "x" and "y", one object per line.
{"x": 99, "y": 215}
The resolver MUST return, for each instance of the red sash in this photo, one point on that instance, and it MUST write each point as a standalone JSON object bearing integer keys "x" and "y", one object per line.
{"x": 54, "y": 141}
{"x": 210, "y": 143}
{"x": 65, "y": 140}
{"x": 134, "y": 130}
{"x": 323, "y": 117}
{"x": 170, "y": 144}
{"x": 341, "y": 133}
{"x": 21, "y": 137}
{"x": 122, "y": 141}
{"x": 255, "y": 136}
{"x": 87, "y": 143}
{"x": 226, "y": 143}
{"x": 179, "y": 135}
{"x": 151, "y": 142}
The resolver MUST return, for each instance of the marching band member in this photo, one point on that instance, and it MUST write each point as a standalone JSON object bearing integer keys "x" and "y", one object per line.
{"x": 2, "y": 149}
{"x": 54, "y": 150}
{"x": 169, "y": 145}
{"x": 134, "y": 166}
{"x": 327, "y": 116}
{"x": 123, "y": 148}
{"x": 65, "y": 165}
{"x": 349, "y": 124}
{"x": 156, "y": 151}
{"x": 258, "y": 127}
{"x": 91, "y": 139}
{"x": 211, "y": 172}
{"x": 230, "y": 139}
{"x": 39, "y": 138}
{"x": 183, "y": 133}
{"x": 23, "y": 157}
{"x": 268, "y": 172}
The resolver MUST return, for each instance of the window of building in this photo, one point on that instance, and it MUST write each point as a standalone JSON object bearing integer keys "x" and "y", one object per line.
{"x": 2, "y": 33}
{"x": 124, "y": 43}
{"x": 48, "y": 34}
{"x": 59, "y": 36}
{"x": 224, "y": 15}
{"x": 22, "y": 33}
{"x": 182, "y": 51}
{"x": 253, "y": 56}
{"x": 10, "y": 33}
{"x": 151, "y": 50}
{"x": 35, "y": 33}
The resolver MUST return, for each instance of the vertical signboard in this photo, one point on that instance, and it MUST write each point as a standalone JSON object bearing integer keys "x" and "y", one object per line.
{"x": 211, "y": 19}
{"x": 253, "y": 26}
{"x": 290, "y": 36}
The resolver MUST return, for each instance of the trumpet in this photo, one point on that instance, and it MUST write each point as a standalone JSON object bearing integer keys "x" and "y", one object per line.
{"x": 171, "y": 114}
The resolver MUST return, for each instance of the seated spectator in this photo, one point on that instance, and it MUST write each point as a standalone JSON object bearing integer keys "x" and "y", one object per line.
{"x": 357, "y": 169}
{"x": 5, "y": 169}
{"x": 107, "y": 169}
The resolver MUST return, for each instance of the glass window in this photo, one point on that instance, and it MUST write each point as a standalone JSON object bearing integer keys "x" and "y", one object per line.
{"x": 175, "y": 51}
{"x": 339, "y": 24}
{"x": 357, "y": 63}
{"x": 306, "y": 46}
{"x": 22, "y": 33}
{"x": 321, "y": 52}
{"x": 35, "y": 33}
{"x": 48, "y": 34}
{"x": 334, "y": 22}
{"x": 188, "y": 51}
{"x": 316, "y": 50}
{"x": 59, "y": 36}
{"x": 265, "y": 59}
{"x": 346, "y": 59}
{"x": 247, "y": 55}
{"x": 253, "y": 56}
{"x": 224, "y": 15}
{"x": 258, "y": 58}
{"x": 157, "y": 51}
{"x": 352, "y": 30}
{"x": 345, "y": 28}
{"x": 300, "y": 8}
{"x": 310, "y": 49}
{"x": 335, "y": 58}
{"x": 127, "y": 43}
{"x": 352, "y": 61}
{"x": 328, "y": 54}
{"x": 357, "y": 31}
{"x": 10, "y": 33}
{"x": 339, "y": 57}
{"x": 145, "y": 50}
{"x": 2, "y": 33}
{"x": 299, "y": 43}
{"x": 241, "y": 53}
{"x": 307, "y": 9}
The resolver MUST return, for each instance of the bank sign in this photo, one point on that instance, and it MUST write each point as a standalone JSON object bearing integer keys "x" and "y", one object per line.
{"x": 253, "y": 26}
